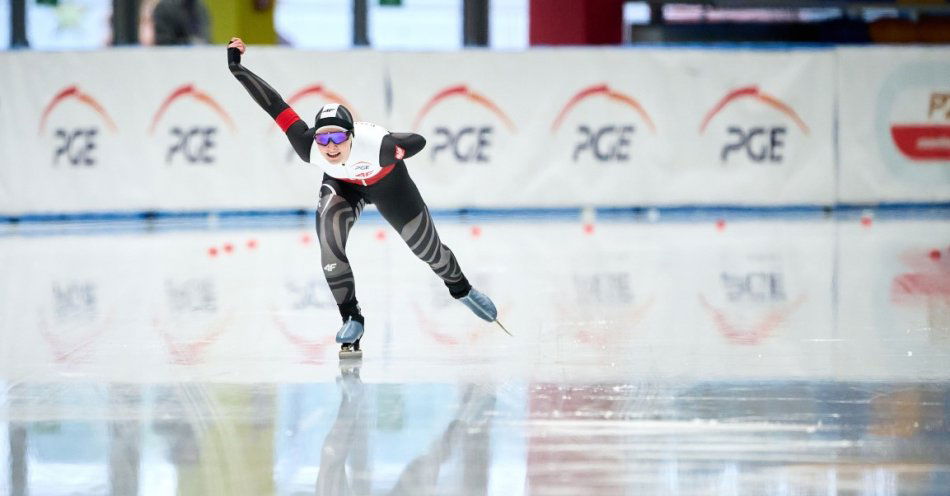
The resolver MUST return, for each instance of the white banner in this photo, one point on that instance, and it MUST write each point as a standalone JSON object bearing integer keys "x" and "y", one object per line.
{"x": 894, "y": 124}
{"x": 612, "y": 127}
{"x": 171, "y": 129}
{"x": 134, "y": 130}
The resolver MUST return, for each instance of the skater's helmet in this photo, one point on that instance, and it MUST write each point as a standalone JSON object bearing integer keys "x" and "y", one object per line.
{"x": 334, "y": 114}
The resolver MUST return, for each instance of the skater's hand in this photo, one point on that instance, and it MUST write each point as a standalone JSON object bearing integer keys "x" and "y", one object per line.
{"x": 237, "y": 43}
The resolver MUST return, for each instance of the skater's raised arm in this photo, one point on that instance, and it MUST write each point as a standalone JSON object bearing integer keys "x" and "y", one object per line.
{"x": 397, "y": 146}
{"x": 301, "y": 138}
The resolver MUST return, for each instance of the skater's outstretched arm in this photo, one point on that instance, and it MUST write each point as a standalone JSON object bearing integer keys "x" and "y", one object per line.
{"x": 301, "y": 138}
{"x": 397, "y": 146}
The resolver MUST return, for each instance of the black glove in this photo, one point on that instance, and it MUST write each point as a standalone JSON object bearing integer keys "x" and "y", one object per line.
{"x": 234, "y": 56}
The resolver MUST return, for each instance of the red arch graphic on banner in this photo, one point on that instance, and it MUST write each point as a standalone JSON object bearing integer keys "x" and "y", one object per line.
{"x": 753, "y": 92}
{"x": 75, "y": 92}
{"x": 463, "y": 91}
{"x": 202, "y": 97}
{"x": 603, "y": 89}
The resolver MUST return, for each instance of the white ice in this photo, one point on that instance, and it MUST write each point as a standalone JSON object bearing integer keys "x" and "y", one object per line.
{"x": 662, "y": 356}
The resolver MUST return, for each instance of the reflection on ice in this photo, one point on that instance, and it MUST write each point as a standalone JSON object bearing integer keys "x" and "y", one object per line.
{"x": 414, "y": 465}
{"x": 352, "y": 437}
{"x": 677, "y": 358}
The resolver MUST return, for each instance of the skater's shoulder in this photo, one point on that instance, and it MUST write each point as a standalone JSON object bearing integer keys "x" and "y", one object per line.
{"x": 370, "y": 128}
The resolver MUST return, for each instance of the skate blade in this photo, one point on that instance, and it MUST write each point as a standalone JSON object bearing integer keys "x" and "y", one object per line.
{"x": 503, "y": 328}
{"x": 351, "y": 355}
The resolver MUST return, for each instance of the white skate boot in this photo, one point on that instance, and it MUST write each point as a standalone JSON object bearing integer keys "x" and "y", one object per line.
{"x": 349, "y": 339}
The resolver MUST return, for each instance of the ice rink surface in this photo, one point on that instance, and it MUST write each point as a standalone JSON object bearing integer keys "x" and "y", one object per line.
{"x": 778, "y": 356}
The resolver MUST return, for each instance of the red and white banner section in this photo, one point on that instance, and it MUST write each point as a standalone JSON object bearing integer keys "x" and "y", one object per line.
{"x": 171, "y": 129}
{"x": 164, "y": 130}
{"x": 894, "y": 124}
{"x": 620, "y": 127}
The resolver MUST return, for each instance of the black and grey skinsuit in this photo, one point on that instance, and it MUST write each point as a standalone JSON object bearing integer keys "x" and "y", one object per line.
{"x": 341, "y": 201}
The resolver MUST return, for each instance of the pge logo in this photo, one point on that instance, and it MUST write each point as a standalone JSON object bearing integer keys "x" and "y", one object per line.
{"x": 467, "y": 142}
{"x": 77, "y": 142}
{"x": 325, "y": 95}
{"x": 926, "y": 140}
{"x": 912, "y": 122}
{"x": 189, "y": 141}
{"x": 757, "y": 143}
{"x": 604, "y": 142}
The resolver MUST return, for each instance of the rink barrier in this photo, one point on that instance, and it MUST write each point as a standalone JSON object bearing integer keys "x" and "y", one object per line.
{"x": 759, "y": 125}
{"x": 90, "y": 223}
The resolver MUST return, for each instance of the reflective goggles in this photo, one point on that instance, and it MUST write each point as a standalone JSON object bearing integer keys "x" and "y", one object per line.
{"x": 336, "y": 137}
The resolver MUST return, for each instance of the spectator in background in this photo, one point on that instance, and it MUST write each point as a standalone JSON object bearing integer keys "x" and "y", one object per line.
{"x": 173, "y": 22}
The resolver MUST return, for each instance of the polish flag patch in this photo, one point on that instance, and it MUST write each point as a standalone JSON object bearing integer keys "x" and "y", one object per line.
{"x": 400, "y": 152}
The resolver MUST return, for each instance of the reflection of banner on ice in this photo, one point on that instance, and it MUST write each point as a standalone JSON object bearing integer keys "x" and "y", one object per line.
{"x": 929, "y": 287}
{"x": 930, "y": 278}
{"x": 567, "y": 436}
{"x": 73, "y": 351}
{"x": 473, "y": 335}
{"x": 756, "y": 331}
{"x": 313, "y": 350}
{"x": 912, "y": 288}
{"x": 605, "y": 337}
{"x": 191, "y": 352}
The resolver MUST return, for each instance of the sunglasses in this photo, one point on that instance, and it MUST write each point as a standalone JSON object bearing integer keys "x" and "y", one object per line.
{"x": 336, "y": 137}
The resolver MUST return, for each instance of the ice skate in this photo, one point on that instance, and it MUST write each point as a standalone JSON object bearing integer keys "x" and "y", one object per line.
{"x": 482, "y": 306}
{"x": 349, "y": 339}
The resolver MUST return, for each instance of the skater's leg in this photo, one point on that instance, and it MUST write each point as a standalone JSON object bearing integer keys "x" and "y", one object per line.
{"x": 337, "y": 210}
{"x": 400, "y": 203}
{"x": 423, "y": 239}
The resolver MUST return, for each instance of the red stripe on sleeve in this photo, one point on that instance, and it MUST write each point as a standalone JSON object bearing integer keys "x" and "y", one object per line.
{"x": 286, "y": 118}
